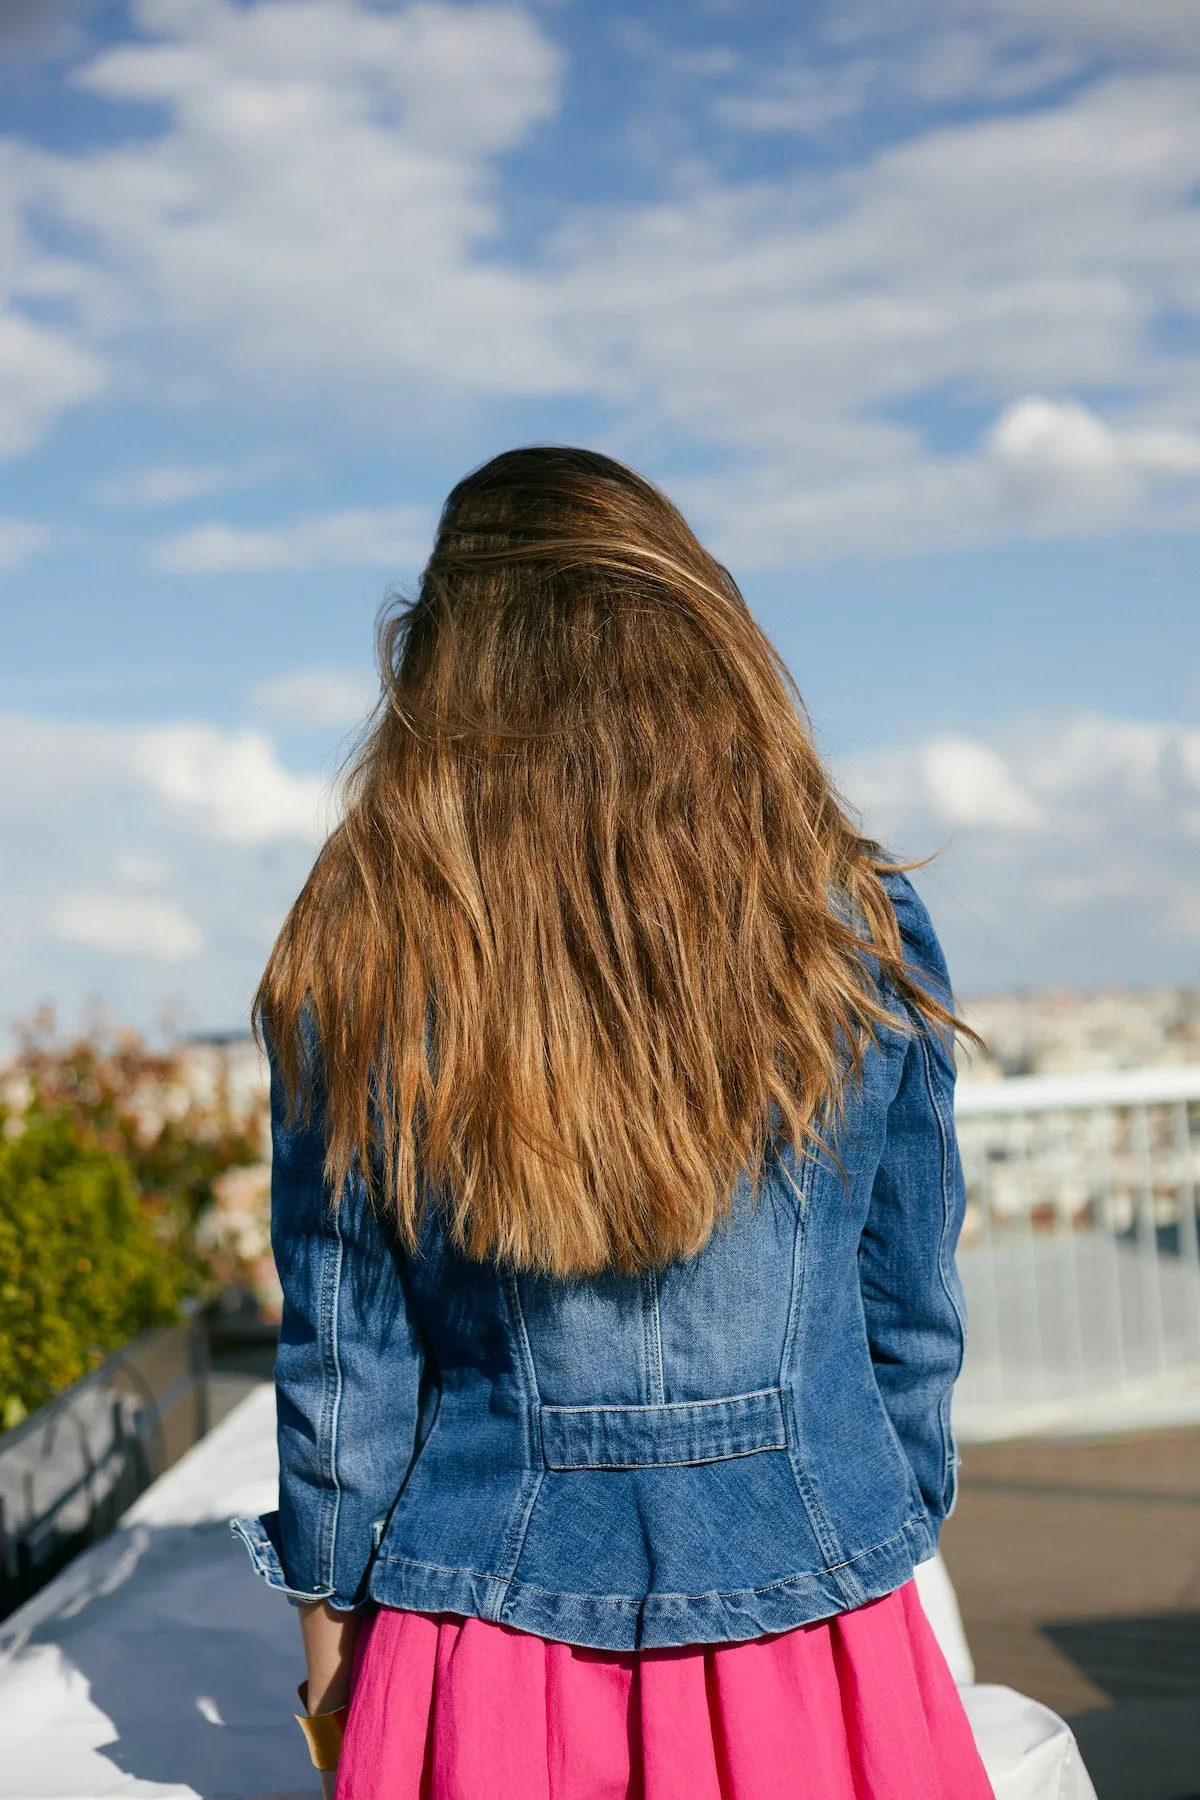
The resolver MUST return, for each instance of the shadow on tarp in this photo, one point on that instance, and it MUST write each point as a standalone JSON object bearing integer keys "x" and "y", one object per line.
{"x": 1142, "y": 1749}
{"x": 192, "y": 1660}
{"x": 1147, "y": 1745}
{"x": 1152, "y": 1658}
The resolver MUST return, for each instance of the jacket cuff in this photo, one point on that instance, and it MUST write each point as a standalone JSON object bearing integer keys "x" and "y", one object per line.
{"x": 261, "y": 1538}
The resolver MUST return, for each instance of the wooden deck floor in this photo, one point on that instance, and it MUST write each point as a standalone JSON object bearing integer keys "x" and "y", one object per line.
{"x": 1077, "y": 1567}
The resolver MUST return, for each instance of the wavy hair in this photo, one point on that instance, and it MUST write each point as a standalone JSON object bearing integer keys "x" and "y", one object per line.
{"x": 594, "y": 926}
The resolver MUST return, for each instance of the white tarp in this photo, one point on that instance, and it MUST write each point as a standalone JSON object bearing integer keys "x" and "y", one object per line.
{"x": 157, "y": 1667}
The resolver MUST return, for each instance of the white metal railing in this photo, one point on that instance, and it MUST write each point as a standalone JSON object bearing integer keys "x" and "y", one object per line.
{"x": 1080, "y": 1254}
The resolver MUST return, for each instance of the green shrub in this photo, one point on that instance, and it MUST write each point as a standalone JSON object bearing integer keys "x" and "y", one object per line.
{"x": 82, "y": 1266}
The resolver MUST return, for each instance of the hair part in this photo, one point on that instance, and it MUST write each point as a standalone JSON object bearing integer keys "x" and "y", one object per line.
{"x": 594, "y": 926}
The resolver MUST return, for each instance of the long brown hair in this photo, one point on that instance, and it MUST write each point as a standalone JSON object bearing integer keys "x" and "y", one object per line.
{"x": 594, "y": 925}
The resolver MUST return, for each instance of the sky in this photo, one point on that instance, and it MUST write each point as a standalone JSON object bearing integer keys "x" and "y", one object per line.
{"x": 898, "y": 299}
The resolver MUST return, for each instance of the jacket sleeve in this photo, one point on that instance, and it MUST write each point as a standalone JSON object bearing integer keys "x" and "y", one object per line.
{"x": 347, "y": 1372}
{"x": 912, "y": 1296}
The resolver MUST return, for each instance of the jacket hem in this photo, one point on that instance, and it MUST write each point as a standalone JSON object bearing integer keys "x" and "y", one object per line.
{"x": 656, "y": 1621}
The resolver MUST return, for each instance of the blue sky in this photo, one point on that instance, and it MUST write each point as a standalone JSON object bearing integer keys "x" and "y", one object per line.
{"x": 900, "y": 301}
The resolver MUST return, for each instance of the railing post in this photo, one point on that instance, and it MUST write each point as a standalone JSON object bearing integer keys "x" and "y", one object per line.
{"x": 1103, "y": 1122}
{"x": 1068, "y": 1308}
{"x": 1147, "y": 1237}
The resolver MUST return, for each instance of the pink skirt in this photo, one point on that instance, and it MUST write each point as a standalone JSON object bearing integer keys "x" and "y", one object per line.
{"x": 857, "y": 1707}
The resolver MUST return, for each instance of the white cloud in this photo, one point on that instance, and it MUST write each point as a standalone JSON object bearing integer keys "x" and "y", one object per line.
{"x": 1061, "y": 463}
{"x": 166, "y": 485}
{"x": 321, "y": 201}
{"x": 1044, "y": 467}
{"x": 128, "y": 925}
{"x": 225, "y": 785}
{"x": 956, "y": 51}
{"x": 943, "y": 784}
{"x": 232, "y": 785}
{"x": 377, "y": 538}
{"x": 1155, "y": 27}
{"x": 170, "y": 484}
{"x": 1068, "y": 849}
{"x": 319, "y": 696}
{"x": 932, "y": 64}
{"x": 19, "y": 540}
{"x": 947, "y": 52}
{"x": 800, "y": 325}
{"x": 969, "y": 784}
{"x": 988, "y": 64}
{"x": 141, "y": 868}
{"x": 1045, "y": 780}
{"x": 1055, "y": 456}
{"x": 804, "y": 98}
{"x": 43, "y": 372}
{"x": 228, "y": 785}
{"x": 1072, "y": 853}
{"x": 320, "y": 216}
{"x": 130, "y": 841}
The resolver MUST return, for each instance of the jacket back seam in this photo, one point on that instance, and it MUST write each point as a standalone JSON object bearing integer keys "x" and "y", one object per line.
{"x": 819, "y": 1521}
{"x": 652, "y": 1337}
{"x": 532, "y": 1476}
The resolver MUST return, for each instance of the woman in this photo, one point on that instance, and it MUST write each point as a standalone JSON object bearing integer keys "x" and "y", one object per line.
{"x": 615, "y": 1198}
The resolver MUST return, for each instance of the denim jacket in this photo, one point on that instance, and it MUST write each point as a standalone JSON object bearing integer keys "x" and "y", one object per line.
{"x": 732, "y": 1445}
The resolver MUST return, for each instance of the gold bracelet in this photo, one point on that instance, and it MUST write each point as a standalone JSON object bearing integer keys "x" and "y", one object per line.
{"x": 323, "y": 1732}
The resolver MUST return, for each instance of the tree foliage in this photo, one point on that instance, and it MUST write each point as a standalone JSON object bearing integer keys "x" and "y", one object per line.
{"x": 108, "y": 1160}
{"x": 82, "y": 1266}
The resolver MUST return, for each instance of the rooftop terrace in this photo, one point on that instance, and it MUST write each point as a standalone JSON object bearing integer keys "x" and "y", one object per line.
{"x": 1077, "y": 1567}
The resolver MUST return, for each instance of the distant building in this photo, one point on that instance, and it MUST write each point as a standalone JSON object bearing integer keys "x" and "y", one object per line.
{"x": 1063, "y": 1031}
{"x": 226, "y": 1075}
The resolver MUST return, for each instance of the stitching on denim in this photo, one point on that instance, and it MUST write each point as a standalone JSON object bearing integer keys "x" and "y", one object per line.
{"x": 530, "y": 1488}
{"x": 326, "y": 1413}
{"x": 889, "y": 1425}
{"x": 515, "y": 1541}
{"x": 335, "y": 1410}
{"x": 291, "y": 1593}
{"x": 533, "y": 1423}
{"x": 819, "y": 1521}
{"x": 907, "y": 1526}
{"x": 949, "y": 1461}
{"x": 652, "y": 1334}
{"x": 677, "y": 1462}
{"x": 666, "y": 1405}
{"x": 410, "y": 1562}
{"x": 632, "y": 1602}
{"x": 265, "y": 1561}
{"x": 526, "y": 1347}
{"x": 796, "y": 1187}
{"x": 785, "y": 1581}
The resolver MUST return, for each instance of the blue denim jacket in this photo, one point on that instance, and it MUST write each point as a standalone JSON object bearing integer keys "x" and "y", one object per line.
{"x": 733, "y": 1445}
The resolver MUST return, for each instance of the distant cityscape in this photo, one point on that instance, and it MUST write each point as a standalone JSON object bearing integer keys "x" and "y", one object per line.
{"x": 1035, "y": 1031}
{"x": 1061, "y": 1031}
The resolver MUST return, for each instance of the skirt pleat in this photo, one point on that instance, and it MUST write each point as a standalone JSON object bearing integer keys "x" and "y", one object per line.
{"x": 857, "y": 1707}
